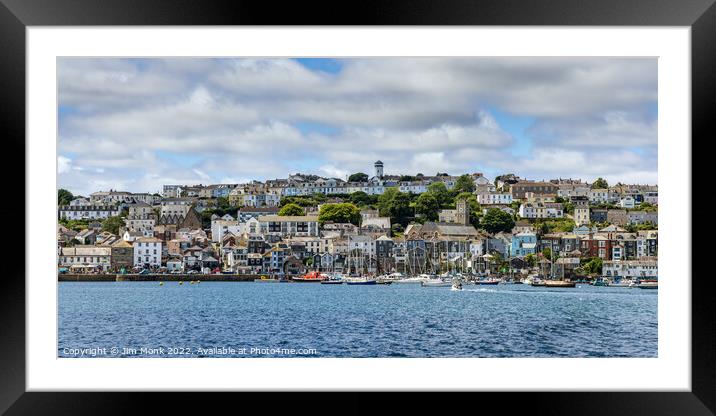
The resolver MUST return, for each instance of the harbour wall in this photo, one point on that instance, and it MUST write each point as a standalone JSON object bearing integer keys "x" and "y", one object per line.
{"x": 69, "y": 277}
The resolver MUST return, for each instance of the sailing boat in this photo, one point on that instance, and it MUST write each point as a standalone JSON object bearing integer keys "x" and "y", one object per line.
{"x": 361, "y": 279}
{"x": 552, "y": 282}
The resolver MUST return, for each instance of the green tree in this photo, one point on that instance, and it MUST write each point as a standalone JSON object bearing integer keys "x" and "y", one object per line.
{"x": 362, "y": 199}
{"x": 291, "y": 210}
{"x": 112, "y": 224}
{"x": 406, "y": 178}
{"x": 76, "y": 225}
{"x": 396, "y": 205}
{"x": 645, "y": 206}
{"x": 464, "y": 184}
{"x": 496, "y": 220}
{"x": 531, "y": 259}
{"x": 64, "y": 197}
{"x": 568, "y": 208}
{"x": 358, "y": 177}
{"x": 223, "y": 203}
{"x": 339, "y": 213}
{"x": 441, "y": 193}
{"x": 600, "y": 183}
{"x": 591, "y": 265}
{"x": 428, "y": 206}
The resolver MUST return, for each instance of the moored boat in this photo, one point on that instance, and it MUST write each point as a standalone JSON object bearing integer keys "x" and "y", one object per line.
{"x": 415, "y": 279}
{"x": 310, "y": 277}
{"x": 622, "y": 283}
{"x": 600, "y": 281}
{"x": 648, "y": 284}
{"x": 360, "y": 280}
{"x": 559, "y": 283}
{"x": 536, "y": 281}
{"x": 266, "y": 279}
{"x": 490, "y": 281}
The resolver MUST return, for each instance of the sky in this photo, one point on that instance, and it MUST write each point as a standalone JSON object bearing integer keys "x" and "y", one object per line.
{"x": 137, "y": 124}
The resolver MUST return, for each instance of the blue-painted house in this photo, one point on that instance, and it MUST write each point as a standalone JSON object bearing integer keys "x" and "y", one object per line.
{"x": 523, "y": 244}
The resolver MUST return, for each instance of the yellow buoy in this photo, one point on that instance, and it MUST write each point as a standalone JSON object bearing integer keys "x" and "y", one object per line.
{"x": 181, "y": 283}
{"x": 161, "y": 283}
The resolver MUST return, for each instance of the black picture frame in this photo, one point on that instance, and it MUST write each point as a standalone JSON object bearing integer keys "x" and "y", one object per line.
{"x": 16, "y": 15}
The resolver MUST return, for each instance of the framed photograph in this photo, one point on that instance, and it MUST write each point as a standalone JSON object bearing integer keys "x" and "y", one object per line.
{"x": 497, "y": 201}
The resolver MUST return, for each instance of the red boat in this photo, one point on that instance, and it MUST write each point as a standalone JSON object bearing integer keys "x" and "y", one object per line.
{"x": 310, "y": 277}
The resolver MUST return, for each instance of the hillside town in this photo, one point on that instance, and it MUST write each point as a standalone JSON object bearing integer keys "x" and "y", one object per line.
{"x": 366, "y": 224}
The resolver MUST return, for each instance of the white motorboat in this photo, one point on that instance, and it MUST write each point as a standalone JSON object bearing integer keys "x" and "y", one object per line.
{"x": 622, "y": 283}
{"x": 436, "y": 283}
{"x": 415, "y": 279}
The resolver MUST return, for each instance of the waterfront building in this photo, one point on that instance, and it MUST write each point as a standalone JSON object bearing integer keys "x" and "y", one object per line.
{"x": 523, "y": 244}
{"x": 596, "y": 246}
{"x": 361, "y": 244}
{"x": 121, "y": 255}
{"x": 631, "y": 269}
{"x": 85, "y": 257}
{"x": 147, "y": 252}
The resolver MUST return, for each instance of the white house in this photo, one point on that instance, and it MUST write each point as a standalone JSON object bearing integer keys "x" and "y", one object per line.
{"x": 627, "y": 202}
{"x": 147, "y": 252}
{"x": 283, "y": 225}
{"x": 362, "y": 244}
{"x": 643, "y": 269}
{"x": 220, "y": 227}
{"x": 494, "y": 198}
{"x": 541, "y": 210}
{"x": 87, "y": 212}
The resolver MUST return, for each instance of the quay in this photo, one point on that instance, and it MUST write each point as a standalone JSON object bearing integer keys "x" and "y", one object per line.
{"x": 69, "y": 277}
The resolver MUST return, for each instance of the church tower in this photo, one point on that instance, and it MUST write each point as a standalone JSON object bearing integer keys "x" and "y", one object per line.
{"x": 379, "y": 169}
{"x": 463, "y": 212}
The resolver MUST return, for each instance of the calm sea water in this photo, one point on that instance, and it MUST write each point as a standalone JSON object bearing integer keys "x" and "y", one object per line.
{"x": 220, "y": 319}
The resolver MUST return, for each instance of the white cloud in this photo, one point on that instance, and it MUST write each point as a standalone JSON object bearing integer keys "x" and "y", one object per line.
{"x": 63, "y": 164}
{"x": 226, "y": 119}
